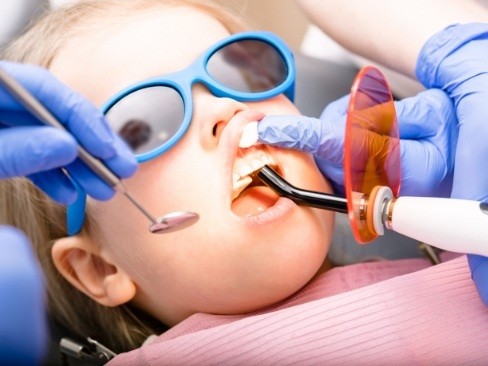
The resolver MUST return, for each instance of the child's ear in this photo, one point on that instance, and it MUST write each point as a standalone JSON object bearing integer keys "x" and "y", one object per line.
{"x": 78, "y": 261}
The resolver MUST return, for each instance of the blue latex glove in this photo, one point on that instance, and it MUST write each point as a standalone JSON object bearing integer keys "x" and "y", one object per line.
{"x": 427, "y": 128}
{"x": 23, "y": 326}
{"x": 456, "y": 60}
{"x": 28, "y": 148}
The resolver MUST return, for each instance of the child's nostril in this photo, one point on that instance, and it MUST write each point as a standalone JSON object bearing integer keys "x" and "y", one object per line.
{"x": 217, "y": 129}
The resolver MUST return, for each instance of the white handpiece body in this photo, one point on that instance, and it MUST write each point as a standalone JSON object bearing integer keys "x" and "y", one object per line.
{"x": 450, "y": 224}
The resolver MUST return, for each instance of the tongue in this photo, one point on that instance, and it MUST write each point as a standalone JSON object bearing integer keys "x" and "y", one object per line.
{"x": 254, "y": 200}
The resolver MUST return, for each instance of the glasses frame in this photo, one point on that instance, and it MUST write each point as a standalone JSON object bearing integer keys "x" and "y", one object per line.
{"x": 182, "y": 81}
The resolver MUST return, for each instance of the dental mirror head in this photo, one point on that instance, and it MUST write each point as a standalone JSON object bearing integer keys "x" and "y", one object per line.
{"x": 173, "y": 221}
{"x": 167, "y": 223}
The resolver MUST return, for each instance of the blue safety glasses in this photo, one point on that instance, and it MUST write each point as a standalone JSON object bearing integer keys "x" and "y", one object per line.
{"x": 154, "y": 114}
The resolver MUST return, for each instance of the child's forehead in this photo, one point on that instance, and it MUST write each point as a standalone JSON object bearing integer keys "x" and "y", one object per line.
{"x": 168, "y": 41}
{"x": 137, "y": 47}
{"x": 177, "y": 28}
{"x": 174, "y": 36}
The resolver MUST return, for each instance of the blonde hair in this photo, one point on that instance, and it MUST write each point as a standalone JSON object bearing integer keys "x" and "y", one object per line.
{"x": 22, "y": 205}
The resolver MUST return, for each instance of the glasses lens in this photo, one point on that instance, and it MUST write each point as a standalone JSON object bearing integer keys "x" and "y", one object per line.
{"x": 248, "y": 66}
{"x": 372, "y": 147}
{"x": 147, "y": 118}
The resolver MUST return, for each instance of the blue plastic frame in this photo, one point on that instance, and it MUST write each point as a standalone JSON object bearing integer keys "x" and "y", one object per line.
{"x": 182, "y": 81}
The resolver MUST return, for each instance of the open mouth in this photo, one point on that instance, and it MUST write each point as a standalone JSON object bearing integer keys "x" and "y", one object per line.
{"x": 250, "y": 196}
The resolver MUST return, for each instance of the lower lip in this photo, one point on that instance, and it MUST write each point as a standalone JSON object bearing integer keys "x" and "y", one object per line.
{"x": 280, "y": 209}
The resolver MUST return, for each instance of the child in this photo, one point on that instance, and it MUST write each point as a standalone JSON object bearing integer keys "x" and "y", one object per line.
{"x": 250, "y": 250}
{"x": 116, "y": 282}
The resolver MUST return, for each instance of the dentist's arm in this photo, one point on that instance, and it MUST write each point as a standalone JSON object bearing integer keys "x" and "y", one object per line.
{"x": 42, "y": 153}
{"x": 390, "y": 32}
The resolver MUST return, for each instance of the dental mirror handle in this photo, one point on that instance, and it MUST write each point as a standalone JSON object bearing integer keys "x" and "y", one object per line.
{"x": 451, "y": 224}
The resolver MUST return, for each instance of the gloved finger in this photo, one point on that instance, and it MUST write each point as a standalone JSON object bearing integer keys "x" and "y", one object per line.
{"x": 331, "y": 171}
{"x": 83, "y": 120}
{"x": 425, "y": 114}
{"x": 123, "y": 163}
{"x": 311, "y": 135}
{"x": 80, "y": 116}
{"x": 472, "y": 149}
{"x": 428, "y": 132}
{"x": 56, "y": 185}
{"x": 301, "y": 132}
{"x": 423, "y": 168}
{"x": 20, "y": 118}
{"x": 91, "y": 183}
{"x": 468, "y": 165}
{"x": 479, "y": 272}
{"x": 290, "y": 132}
{"x": 32, "y": 149}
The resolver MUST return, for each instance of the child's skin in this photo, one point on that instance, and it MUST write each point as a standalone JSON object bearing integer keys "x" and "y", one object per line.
{"x": 230, "y": 261}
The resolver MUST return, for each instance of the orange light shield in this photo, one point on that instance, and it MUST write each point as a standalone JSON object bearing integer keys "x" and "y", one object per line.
{"x": 371, "y": 148}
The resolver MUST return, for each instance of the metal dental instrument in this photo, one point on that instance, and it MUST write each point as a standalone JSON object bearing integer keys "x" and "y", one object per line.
{"x": 166, "y": 223}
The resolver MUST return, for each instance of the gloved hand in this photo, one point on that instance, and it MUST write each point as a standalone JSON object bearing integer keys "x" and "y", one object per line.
{"x": 28, "y": 148}
{"x": 23, "y": 326}
{"x": 456, "y": 60}
{"x": 427, "y": 128}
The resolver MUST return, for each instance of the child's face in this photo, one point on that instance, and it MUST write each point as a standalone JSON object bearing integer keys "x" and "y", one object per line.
{"x": 240, "y": 256}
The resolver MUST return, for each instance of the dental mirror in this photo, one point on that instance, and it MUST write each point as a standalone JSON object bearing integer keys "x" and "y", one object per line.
{"x": 173, "y": 221}
{"x": 170, "y": 222}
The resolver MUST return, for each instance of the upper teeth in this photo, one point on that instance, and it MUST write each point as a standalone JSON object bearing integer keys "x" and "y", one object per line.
{"x": 253, "y": 160}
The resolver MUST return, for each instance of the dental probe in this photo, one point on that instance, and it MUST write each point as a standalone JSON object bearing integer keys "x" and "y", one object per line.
{"x": 163, "y": 224}
{"x": 451, "y": 224}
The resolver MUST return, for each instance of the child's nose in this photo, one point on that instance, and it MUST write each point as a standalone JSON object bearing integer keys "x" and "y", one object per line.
{"x": 212, "y": 113}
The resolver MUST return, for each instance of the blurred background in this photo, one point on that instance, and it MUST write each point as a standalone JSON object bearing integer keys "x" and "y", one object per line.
{"x": 283, "y": 17}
